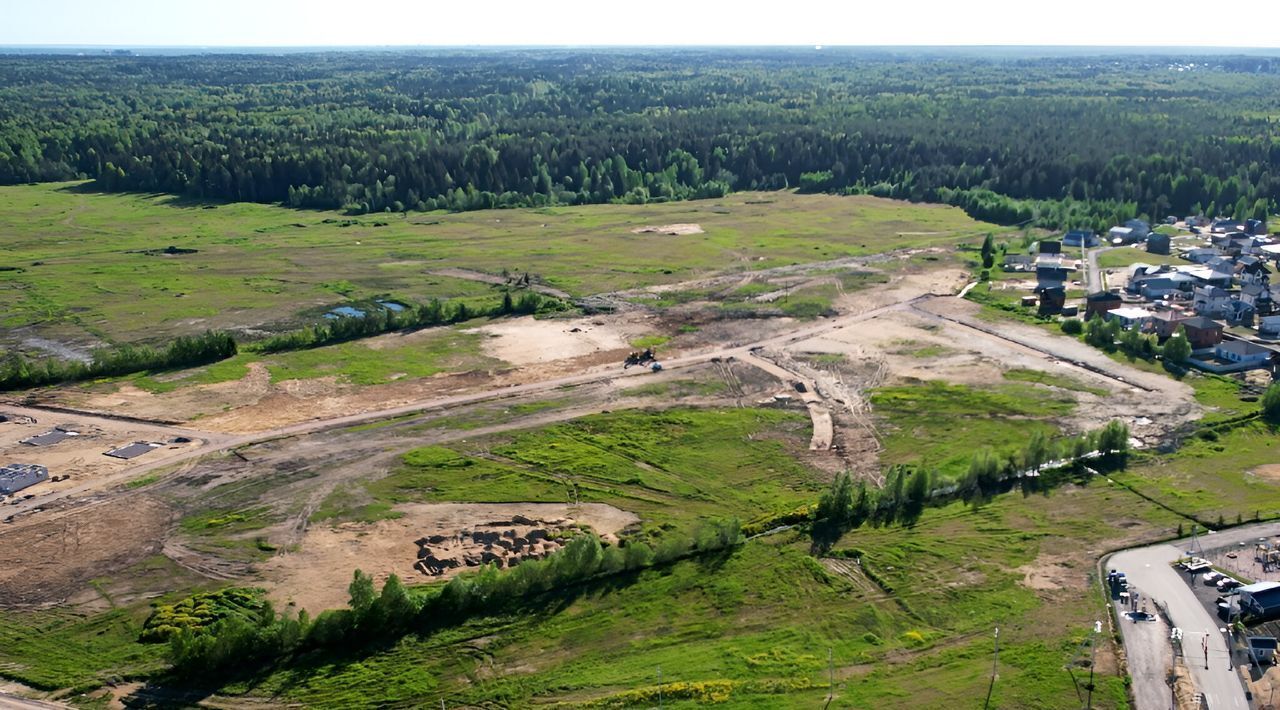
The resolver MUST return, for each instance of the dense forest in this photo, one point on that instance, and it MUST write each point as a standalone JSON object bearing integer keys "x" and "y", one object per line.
{"x": 1078, "y": 141}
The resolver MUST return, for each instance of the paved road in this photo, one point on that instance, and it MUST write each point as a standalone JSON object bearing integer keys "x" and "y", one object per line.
{"x": 1093, "y": 275}
{"x": 1149, "y": 570}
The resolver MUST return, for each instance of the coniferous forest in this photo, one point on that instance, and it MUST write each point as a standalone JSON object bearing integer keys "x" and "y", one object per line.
{"x": 1062, "y": 141}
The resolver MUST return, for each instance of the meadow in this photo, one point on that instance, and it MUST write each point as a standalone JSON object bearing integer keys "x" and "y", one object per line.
{"x": 82, "y": 268}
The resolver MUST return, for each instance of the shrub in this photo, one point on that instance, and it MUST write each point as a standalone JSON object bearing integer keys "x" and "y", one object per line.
{"x": 1072, "y": 326}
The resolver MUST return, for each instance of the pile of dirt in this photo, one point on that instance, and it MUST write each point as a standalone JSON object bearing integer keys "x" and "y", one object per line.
{"x": 674, "y": 230}
{"x": 520, "y": 539}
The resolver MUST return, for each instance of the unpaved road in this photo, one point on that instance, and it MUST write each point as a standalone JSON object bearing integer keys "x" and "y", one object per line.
{"x": 222, "y": 442}
{"x": 1148, "y": 569}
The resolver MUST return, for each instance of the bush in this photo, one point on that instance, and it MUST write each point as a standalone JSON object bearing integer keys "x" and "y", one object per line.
{"x": 1072, "y": 326}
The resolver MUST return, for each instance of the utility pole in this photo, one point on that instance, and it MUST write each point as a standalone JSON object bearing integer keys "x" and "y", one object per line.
{"x": 831, "y": 675}
{"x": 1093, "y": 659}
{"x": 995, "y": 664}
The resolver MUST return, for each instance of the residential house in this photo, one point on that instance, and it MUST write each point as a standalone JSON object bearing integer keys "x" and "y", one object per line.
{"x": 1252, "y": 270}
{"x": 1049, "y": 246}
{"x": 1122, "y": 235}
{"x": 1222, "y": 226}
{"x": 1237, "y": 312}
{"x": 1243, "y": 353}
{"x": 1201, "y": 332}
{"x": 1052, "y": 299}
{"x": 1130, "y": 317}
{"x": 1158, "y": 243}
{"x": 1165, "y": 321}
{"x": 1080, "y": 238}
{"x": 1210, "y": 301}
{"x": 1140, "y": 228}
{"x": 1201, "y": 255}
{"x": 1260, "y": 600}
{"x": 1258, "y": 296}
{"x": 1157, "y": 287}
{"x": 1207, "y": 276}
{"x": 1097, "y": 304}
{"x": 1269, "y": 325}
{"x": 1255, "y": 227}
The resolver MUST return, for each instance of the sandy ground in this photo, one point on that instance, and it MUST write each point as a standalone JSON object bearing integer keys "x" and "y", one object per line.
{"x": 530, "y": 341}
{"x": 674, "y": 230}
{"x": 315, "y": 577}
{"x": 80, "y": 457}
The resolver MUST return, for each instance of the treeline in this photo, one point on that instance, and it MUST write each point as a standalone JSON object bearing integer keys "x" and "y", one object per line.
{"x": 908, "y": 490}
{"x": 1067, "y": 142}
{"x": 16, "y": 372}
{"x": 1106, "y": 334}
{"x": 377, "y": 321}
{"x": 263, "y": 636}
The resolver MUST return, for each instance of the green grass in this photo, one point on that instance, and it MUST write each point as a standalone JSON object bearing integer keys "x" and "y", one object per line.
{"x": 758, "y": 625}
{"x": 678, "y": 389}
{"x": 940, "y": 426}
{"x": 1121, "y": 258}
{"x": 80, "y": 280}
{"x": 671, "y": 466}
{"x": 63, "y": 649}
{"x": 1215, "y": 476}
{"x": 649, "y": 341}
{"x": 1040, "y": 377}
{"x": 424, "y": 354}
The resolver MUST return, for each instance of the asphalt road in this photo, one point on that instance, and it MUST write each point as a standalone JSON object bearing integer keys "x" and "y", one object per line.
{"x": 1148, "y": 569}
{"x": 1093, "y": 275}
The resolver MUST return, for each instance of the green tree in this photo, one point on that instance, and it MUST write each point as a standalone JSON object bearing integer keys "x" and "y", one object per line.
{"x": 1176, "y": 350}
{"x": 988, "y": 251}
{"x": 1271, "y": 402}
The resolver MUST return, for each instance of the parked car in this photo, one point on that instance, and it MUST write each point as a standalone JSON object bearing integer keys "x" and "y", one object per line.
{"x": 1226, "y": 584}
{"x": 1141, "y": 616}
{"x": 1212, "y": 578}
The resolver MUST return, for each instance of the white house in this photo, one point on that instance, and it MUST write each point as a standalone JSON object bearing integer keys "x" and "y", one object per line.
{"x": 1242, "y": 352}
{"x": 1130, "y": 316}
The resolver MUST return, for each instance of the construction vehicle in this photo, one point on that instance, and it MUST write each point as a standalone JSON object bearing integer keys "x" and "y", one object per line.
{"x": 637, "y": 357}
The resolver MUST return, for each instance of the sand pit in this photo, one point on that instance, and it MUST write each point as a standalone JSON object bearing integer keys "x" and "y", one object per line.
{"x": 316, "y": 576}
{"x": 674, "y": 230}
{"x": 528, "y": 341}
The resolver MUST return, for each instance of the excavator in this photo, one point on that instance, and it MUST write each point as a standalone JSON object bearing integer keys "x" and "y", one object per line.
{"x": 637, "y": 357}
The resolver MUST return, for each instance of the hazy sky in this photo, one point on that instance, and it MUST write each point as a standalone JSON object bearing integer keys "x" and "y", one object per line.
{"x": 1250, "y": 23}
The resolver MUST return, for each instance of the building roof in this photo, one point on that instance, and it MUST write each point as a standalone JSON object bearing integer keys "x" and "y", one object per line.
{"x": 133, "y": 450}
{"x": 1241, "y": 347}
{"x": 1103, "y": 296}
{"x": 1130, "y": 313}
{"x": 49, "y": 437}
{"x": 1202, "y": 323}
{"x": 1255, "y": 289}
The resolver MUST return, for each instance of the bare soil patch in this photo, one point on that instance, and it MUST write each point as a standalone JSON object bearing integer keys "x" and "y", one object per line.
{"x": 316, "y": 576}
{"x": 1268, "y": 472}
{"x": 47, "y": 562}
{"x": 674, "y": 230}
{"x": 529, "y": 341}
{"x": 1049, "y": 573}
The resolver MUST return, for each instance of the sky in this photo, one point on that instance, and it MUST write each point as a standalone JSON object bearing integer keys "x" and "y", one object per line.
{"x": 284, "y": 23}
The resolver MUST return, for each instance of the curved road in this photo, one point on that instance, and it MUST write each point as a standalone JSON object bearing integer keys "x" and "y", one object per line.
{"x": 1149, "y": 570}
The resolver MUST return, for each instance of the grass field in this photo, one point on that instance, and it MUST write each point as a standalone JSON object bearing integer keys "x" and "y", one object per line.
{"x": 754, "y": 629}
{"x": 1120, "y": 258}
{"x": 940, "y": 426}
{"x": 669, "y": 467}
{"x": 80, "y": 275}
